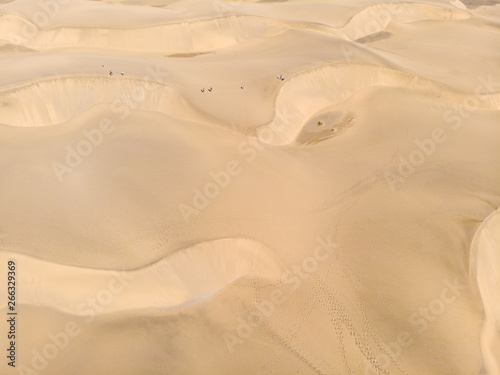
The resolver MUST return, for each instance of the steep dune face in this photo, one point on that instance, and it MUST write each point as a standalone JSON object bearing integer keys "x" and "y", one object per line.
{"x": 375, "y": 19}
{"x": 271, "y": 187}
{"x": 53, "y": 101}
{"x": 485, "y": 259}
{"x": 197, "y": 36}
{"x": 328, "y": 86}
{"x": 185, "y": 277}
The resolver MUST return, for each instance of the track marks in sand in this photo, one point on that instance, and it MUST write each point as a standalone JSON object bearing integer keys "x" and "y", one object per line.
{"x": 351, "y": 327}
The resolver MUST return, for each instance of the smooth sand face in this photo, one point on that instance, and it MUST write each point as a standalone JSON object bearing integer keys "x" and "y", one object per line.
{"x": 485, "y": 269}
{"x": 333, "y": 222}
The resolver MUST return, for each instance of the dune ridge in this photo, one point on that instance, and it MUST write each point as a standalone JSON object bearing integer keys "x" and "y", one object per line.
{"x": 182, "y": 37}
{"x": 485, "y": 271}
{"x": 295, "y": 187}
{"x": 55, "y": 100}
{"x": 213, "y": 33}
{"x": 186, "y": 275}
{"x": 332, "y": 84}
{"x": 375, "y": 18}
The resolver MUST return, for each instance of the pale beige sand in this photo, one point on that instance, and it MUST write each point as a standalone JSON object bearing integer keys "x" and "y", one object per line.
{"x": 357, "y": 246}
{"x": 485, "y": 267}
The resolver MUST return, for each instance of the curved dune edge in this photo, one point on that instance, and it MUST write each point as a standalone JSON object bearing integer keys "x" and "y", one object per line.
{"x": 485, "y": 269}
{"x": 56, "y": 100}
{"x": 184, "y": 37}
{"x": 308, "y": 92}
{"x": 375, "y": 18}
{"x": 184, "y": 277}
{"x": 209, "y": 34}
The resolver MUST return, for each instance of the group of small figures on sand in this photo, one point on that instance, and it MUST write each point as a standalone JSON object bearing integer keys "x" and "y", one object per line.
{"x": 111, "y": 72}
{"x": 281, "y": 78}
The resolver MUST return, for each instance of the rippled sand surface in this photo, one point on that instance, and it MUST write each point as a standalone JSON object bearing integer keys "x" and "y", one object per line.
{"x": 270, "y": 187}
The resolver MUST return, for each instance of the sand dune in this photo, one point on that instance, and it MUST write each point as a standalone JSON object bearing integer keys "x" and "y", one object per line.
{"x": 201, "y": 215}
{"x": 327, "y": 86}
{"x": 484, "y": 267}
{"x": 198, "y": 36}
{"x": 185, "y": 277}
{"x": 374, "y": 19}
{"x": 46, "y": 103}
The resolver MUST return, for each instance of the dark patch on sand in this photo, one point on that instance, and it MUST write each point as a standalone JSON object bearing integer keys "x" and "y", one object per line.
{"x": 479, "y": 3}
{"x": 333, "y": 123}
{"x": 10, "y": 48}
{"x": 187, "y": 55}
{"x": 381, "y": 35}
